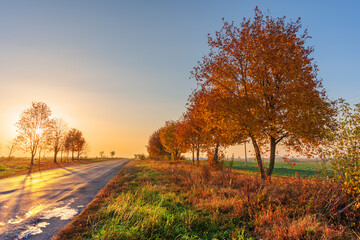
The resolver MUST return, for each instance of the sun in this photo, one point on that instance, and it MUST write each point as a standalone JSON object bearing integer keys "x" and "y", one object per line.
{"x": 39, "y": 131}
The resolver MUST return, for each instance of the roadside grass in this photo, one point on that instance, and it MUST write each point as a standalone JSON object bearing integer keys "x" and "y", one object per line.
{"x": 177, "y": 200}
{"x": 14, "y": 166}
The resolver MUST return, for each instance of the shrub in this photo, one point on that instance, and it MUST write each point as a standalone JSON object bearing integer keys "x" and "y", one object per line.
{"x": 342, "y": 149}
{"x": 139, "y": 156}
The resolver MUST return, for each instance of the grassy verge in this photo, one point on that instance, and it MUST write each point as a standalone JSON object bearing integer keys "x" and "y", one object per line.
{"x": 16, "y": 166}
{"x": 162, "y": 200}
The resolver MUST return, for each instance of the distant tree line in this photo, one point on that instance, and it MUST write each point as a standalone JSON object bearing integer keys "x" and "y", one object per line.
{"x": 39, "y": 133}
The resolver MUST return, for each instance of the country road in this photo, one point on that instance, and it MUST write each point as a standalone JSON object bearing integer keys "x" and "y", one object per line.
{"x": 35, "y": 206}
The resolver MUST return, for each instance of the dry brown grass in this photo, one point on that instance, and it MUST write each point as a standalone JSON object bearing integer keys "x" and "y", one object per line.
{"x": 281, "y": 208}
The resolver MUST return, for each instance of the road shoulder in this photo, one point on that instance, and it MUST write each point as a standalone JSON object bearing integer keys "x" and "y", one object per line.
{"x": 77, "y": 225}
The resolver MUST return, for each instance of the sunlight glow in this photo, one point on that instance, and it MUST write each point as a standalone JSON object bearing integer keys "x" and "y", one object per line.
{"x": 39, "y": 131}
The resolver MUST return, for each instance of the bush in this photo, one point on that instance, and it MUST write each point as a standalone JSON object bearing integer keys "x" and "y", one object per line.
{"x": 139, "y": 156}
{"x": 342, "y": 149}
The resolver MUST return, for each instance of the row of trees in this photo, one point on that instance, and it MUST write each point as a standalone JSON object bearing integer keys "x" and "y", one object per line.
{"x": 38, "y": 132}
{"x": 259, "y": 84}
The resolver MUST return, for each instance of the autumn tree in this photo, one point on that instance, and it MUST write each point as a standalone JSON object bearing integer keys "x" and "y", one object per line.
{"x": 75, "y": 142}
{"x": 81, "y": 148}
{"x": 216, "y": 129}
{"x": 264, "y": 73}
{"x": 185, "y": 135}
{"x": 112, "y": 154}
{"x": 59, "y": 131}
{"x": 155, "y": 148}
{"x": 34, "y": 127}
{"x": 169, "y": 141}
{"x": 192, "y": 132}
{"x": 45, "y": 144}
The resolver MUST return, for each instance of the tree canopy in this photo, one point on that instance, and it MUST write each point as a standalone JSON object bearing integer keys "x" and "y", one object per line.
{"x": 34, "y": 127}
{"x": 267, "y": 82}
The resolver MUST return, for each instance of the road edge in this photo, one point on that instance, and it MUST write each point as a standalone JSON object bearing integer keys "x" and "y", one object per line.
{"x": 75, "y": 225}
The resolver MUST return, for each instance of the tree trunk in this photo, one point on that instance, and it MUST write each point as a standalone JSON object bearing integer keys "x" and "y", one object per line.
{"x": 11, "y": 151}
{"x": 39, "y": 157}
{"x": 193, "y": 155}
{"x": 245, "y": 154}
{"x": 272, "y": 156}
{"x": 258, "y": 158}
{"x": 198, "y": 155}
{"x": 32, "y": 160}
{"x": 216, "y": 154}
{"x": 72, "y": 155}
{"x": 55, "y": 154}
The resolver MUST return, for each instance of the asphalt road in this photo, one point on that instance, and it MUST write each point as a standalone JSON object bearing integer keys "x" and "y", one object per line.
{"x": 36, "y": 206}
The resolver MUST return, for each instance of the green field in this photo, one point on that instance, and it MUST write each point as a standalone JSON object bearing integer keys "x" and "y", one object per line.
{"x": 302, "y": 169}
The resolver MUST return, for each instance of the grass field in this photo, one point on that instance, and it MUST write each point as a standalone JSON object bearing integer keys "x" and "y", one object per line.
{"x": 301, "y": 169}
{"x": 19, "y": 165}
{"x": 177, "y": 200}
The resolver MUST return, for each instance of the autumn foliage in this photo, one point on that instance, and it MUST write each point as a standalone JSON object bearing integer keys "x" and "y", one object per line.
{"x": 155, "y": 148}
{"x": 266, "y": 83}
{"x": 258, "y": 83}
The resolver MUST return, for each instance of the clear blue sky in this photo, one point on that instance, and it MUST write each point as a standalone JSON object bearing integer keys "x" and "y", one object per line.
{"x": 118, "y": 69}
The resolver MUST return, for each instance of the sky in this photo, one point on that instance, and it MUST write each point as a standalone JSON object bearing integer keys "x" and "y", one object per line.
{"x": 117, "y": 70}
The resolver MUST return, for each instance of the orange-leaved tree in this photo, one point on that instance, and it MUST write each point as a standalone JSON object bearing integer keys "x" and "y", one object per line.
{"x": 217, "y": 130}
{"x": 155, "y": 148}
{"x": 169, "y": 141}
{"x": 190, "y": 133}
{"x": 267, "y": 81}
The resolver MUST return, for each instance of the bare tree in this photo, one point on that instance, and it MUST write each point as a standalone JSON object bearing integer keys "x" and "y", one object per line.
{"x": 33, "y": 127}
{"x": 102, "y": 154}
{"x": 59, "y": 130}
{"x": 14, "y": 145}
{"x": 45, "y": 144}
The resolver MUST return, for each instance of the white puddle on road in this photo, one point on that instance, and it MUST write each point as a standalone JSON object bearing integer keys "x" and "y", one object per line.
{"x": 33, "y": 230}
{"x": 31, "y": 212}
{"x": 15, "y": 220}
{"x": 64, "y": 212}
